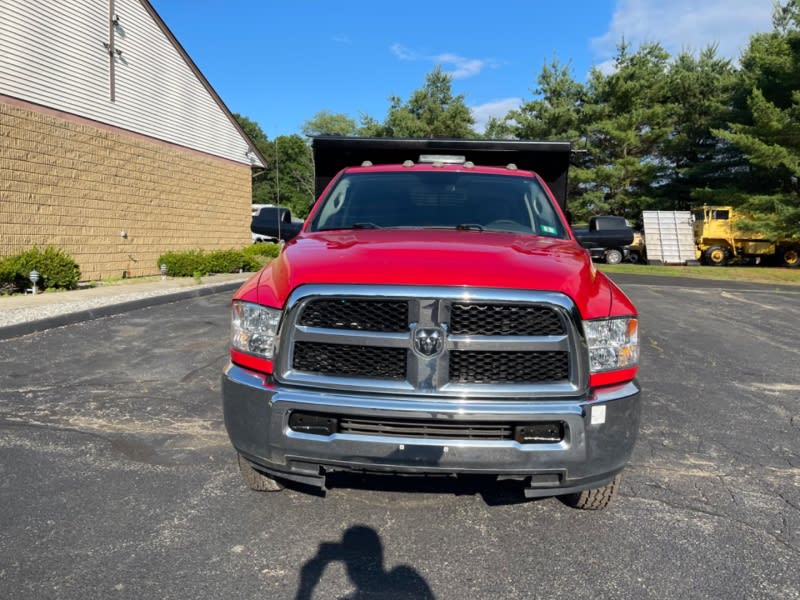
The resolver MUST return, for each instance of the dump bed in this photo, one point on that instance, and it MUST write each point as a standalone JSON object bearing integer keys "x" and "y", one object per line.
{"x": 549, "y": 159}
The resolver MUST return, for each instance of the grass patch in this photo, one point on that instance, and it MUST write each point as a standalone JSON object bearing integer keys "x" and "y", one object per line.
{"x": 754, "y": 274}
{"x": 117, "y": 280}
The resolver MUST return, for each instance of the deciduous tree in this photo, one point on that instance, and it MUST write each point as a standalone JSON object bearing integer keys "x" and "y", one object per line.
{"x": 326, "y": 122}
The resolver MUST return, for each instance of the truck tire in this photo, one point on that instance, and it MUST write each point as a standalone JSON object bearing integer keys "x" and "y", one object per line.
{"x": 594, "y": 499}
{"x": 790, "y": 256}
{"x": 716, "y": 256}
{"x": 613, "y": 256}
{"x": 256, "y": 480}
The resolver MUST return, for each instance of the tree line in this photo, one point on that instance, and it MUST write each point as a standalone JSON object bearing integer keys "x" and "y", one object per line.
{"x": 656, "y": 132}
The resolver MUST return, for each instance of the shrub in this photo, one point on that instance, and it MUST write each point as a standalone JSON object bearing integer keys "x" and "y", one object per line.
{"x": 55, "y": 267}
{"x": 193, "y": 262}
{"x": 182, "y": 264}
{"x": 263, "y": 249}
{"x": 7, "y": 276}
{"x": 230, "y": 261}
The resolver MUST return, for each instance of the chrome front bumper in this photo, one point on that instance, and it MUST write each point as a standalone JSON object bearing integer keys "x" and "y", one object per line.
{"x": 599, "y": 434}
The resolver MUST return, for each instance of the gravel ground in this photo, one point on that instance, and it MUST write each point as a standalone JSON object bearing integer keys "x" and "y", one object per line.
{"x": 13, "y": 310}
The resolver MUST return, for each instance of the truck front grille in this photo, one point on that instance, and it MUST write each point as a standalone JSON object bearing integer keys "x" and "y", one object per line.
{"x": 347, "y": 360}
{"x": 426, "y": 429}
{"x": 360, "y": 315}
{"x": 508, "y": 367}
{"x": 460, "y": 342}
{"x": 504, "y": 319}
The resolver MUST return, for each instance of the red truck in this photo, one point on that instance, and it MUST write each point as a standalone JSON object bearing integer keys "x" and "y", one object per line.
{"x": 435, "y": 315}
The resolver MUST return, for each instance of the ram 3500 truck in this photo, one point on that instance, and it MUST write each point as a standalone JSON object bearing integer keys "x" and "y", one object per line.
{"x": 435, "y": 316}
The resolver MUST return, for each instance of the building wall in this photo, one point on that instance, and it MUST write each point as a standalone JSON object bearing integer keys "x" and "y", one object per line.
{"x": 54, "y": 53}
{"x": 75, "y": 184}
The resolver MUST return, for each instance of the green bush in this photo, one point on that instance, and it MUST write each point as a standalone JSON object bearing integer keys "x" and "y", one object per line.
{"x": 7, "y": 276}
{"x": 263, "y": 249}
{"x": 182, "y": 264}
{"x": 56, "y": 270}
{"x": 230, "y": 261}
{"x": 193, "y": 262}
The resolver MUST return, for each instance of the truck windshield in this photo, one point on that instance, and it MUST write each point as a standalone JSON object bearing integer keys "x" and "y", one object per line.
{"x": 459, "y": 200}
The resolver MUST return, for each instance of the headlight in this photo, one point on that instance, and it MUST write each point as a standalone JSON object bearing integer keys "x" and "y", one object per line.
{"x": 253, "y": 328}
{"x": 613, "y": 343}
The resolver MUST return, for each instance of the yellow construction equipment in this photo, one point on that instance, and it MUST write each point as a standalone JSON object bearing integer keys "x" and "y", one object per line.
{"x": 720, "y": 240}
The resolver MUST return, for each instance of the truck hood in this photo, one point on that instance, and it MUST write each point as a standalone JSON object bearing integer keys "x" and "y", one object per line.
{"x": 431, "y": 257}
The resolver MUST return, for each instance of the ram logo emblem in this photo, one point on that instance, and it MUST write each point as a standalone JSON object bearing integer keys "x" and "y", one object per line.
{"x": 429, "y": 342}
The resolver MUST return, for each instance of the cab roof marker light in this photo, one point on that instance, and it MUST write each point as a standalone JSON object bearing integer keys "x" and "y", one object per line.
{"x": 408, "y": 164}
{"x": 511, "y": 167}
{"x": 442, "y": 159}
{"x": 469, "y": 165}
{"x": 366, "y": 163}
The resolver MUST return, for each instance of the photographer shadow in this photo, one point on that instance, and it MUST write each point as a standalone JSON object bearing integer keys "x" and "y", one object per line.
{"x": 361, "y": 551}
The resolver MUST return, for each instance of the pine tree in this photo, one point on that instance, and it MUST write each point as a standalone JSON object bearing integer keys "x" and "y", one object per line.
{"x": 699, "y": 91}
{"x": 768, "y": 131}
{"x": 627, "y": 119}
{"x": 431, "y": 111}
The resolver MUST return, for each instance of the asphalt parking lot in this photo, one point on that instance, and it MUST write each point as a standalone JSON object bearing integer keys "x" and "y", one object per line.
{"x": 117, "y": 479}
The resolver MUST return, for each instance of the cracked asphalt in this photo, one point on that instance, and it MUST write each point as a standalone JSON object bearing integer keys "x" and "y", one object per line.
{"x": 117, "y": 479}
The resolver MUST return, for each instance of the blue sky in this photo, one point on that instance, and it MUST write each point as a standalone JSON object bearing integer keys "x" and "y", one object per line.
{"x": 280, "y": 62}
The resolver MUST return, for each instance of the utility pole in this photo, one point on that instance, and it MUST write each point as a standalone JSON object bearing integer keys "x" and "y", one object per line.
{"x": 278, "y": 188}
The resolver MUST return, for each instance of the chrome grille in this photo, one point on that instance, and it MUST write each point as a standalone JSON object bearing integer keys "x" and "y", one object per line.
{"x": 508, "y": 367}
{"x": 426, "y": 429}
{"x": 504, "y": 319}
{"x": 496, "y": 343}
{"x": 344, "y": 359}
{"x": 361, "y": 315}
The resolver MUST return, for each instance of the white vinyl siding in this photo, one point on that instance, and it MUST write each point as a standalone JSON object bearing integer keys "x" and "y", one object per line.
{"x": 52, "y": 53}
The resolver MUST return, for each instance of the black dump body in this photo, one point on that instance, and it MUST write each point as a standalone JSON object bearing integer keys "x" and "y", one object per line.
{"x": 549, "y": 159}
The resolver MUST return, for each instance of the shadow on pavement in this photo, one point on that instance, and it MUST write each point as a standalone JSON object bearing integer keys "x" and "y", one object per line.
{"x": 361, "y": 551}
{"x": 492, "y": 491}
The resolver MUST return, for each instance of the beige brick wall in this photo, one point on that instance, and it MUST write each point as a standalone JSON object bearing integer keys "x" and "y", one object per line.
{"x": 72, "y": 184}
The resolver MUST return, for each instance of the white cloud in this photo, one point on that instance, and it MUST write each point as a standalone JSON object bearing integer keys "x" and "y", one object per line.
{"x": 496, "y": 108}
{"x": 607, "y": 67}
{"x": 457, "y": 66}
{"x": 463, "y": 67}
{"x": 402, "y": 52}
{"x": 685, "y": 25}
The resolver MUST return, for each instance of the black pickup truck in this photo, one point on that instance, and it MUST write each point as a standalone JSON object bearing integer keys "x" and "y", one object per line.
{"x": 273, "y": 223}
{"x": 607, "y": 238}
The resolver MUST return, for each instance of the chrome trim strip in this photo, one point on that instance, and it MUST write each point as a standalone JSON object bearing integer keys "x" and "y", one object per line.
{"x": 441, "y": 409}
{"x": 351, "y": 336}
{"x": 421, "y": 441}
{"x": 511, "y": 343}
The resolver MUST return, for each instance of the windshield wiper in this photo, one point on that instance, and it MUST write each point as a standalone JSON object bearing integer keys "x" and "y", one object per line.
{"x": 469, "y": 227}
{"x": 365, "y": 225}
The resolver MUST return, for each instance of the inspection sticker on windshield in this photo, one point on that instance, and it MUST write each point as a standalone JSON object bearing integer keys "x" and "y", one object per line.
{"x": 598, "y": 414}
{"x": 548, "y": 229}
